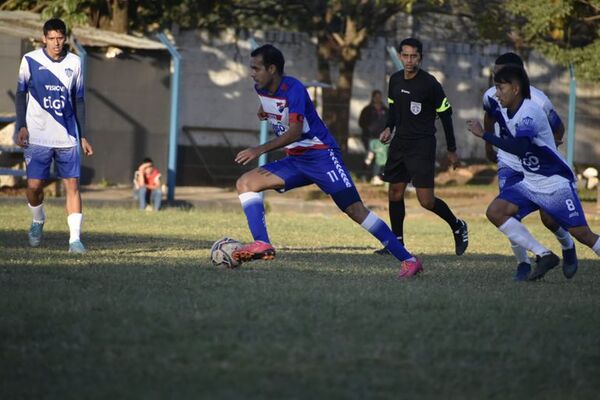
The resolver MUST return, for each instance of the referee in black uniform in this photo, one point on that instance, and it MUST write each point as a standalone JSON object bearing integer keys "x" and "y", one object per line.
{"x": 415, "y": 98}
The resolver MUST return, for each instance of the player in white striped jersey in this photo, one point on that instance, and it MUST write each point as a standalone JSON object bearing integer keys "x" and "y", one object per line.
{"x": 50, "y": 121}
{"x": 509, "y": 166}
{"x": 548, "y": 182}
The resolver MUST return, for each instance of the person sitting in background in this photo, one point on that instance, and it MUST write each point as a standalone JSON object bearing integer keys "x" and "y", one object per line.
{"x": 147, "y": 184}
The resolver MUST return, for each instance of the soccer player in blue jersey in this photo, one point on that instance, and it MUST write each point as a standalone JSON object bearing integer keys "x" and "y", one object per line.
{"x": 509, "y": 166}
{"x": 313, "y": 157}
{"x": 548, "y": 182}
{"x": 50, "y": 121}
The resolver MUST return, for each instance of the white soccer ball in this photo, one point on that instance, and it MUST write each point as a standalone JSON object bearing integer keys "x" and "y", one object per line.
{"x": 221, "y": 251}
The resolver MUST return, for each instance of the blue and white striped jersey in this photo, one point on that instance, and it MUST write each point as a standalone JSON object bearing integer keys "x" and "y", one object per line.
{"x": 492, "y": 106}
{"x": 53, "y": 87}
{"x": 544, "y": 168}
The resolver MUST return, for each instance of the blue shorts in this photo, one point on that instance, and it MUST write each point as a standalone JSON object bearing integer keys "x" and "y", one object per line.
{"x": 324, "y": 168}
{"x": 39, "y": 159}
{"x": 562, "y": 205}
{"x": 508, "y": 177}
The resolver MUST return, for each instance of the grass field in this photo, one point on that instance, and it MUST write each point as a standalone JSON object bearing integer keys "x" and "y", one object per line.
{"x": 145, "y": 315}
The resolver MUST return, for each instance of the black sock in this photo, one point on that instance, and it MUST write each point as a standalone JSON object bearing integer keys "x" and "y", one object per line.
{"x": 397, "y": 213}
{"x": 444, "y": 212}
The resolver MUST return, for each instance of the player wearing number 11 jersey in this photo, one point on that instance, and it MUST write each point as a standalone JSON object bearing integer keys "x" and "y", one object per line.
{"x": 313, "y": 157}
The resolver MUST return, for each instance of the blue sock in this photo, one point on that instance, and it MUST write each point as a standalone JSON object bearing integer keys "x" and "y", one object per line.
{"x": 384, "y": 234}
{"x": 253, "y": 206}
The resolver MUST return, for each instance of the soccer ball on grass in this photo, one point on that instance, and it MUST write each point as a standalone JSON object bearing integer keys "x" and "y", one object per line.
{"x": 221, "y": 251}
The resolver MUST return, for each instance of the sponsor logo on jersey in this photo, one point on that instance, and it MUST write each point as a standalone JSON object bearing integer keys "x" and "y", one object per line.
{"x": 54, "y": 105}
{"x": 531, "y": 162}
{"x": 415, "y": 107}
{"x": 54, "y": 88}
{"x": 404, "y": 91}
{"x": 69, "y": 72}
{"x": 41, "y": 68}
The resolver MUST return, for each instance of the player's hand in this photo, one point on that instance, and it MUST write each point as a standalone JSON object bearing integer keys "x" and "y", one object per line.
{"x": 475, "y": 127}
{"x": 86, "y": 147}
{"x": 247, "y": 155}
{"x": 262, "y": 115}
{"x": 454, "y": 160}
{"x": 385, "y": 136}
{"x": 23, "y": 137}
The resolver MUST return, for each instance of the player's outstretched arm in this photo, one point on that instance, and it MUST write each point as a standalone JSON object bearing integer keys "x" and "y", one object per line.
{"x": 293, "y": 134}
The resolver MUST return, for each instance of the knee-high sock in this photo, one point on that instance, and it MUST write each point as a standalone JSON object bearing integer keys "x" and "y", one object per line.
{"x": 520, "y": 253}
{"x": 596, "y": 247}
{"x": 518, "y": 233}
{"x": 254, "y": 208}
{"x": 74, "y": 221}
{"x": 38, "y": 213}
{"x": 397, "y": 214}
{"x": 564, "y": 238}
{"x": 441, "y": 209}
{"x": 384, "y": 234}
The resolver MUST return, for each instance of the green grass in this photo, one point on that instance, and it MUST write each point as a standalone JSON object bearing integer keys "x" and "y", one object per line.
{"x": 145, "y": 315}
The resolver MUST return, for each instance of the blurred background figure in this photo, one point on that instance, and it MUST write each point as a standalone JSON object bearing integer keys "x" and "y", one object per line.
{"x": 147, "y": 186}
{"x": 372, "y": 121}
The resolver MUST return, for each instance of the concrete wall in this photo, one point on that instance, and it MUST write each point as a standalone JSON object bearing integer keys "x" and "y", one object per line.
{"x": 218, "y": 91}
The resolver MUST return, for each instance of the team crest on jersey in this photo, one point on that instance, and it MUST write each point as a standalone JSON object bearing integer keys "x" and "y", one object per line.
{"x": 69, "y": 72}
{"x": 415, "y": 107}
{"x": 280, "y": 106}
{"x": 527, "y": 122}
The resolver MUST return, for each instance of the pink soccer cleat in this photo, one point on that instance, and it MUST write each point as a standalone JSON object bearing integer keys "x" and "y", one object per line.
{"x": 258, "y": 250}
{"x": 410, "y": 268}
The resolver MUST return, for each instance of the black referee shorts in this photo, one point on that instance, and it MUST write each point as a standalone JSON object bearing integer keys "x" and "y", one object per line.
{"x": 411, "y": 160}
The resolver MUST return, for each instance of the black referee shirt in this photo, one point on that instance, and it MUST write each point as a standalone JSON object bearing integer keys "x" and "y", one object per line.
{"x": 414, "y": 104}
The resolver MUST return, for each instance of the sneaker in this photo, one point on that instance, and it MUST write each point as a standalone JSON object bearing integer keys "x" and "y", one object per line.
{"x": 77, "y": 248}
{"x": 35, "y": 233}
{"x": 543, "y": 265}
{"x": 461, "y": 238}
{"x": 569, "y": 266}
{"x": 258, "y": 250}
{"x": 410, "y": 268}
{"x": 522, "y": 273}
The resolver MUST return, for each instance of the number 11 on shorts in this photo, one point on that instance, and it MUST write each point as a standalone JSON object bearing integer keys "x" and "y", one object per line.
{"x": 333, "y": 176}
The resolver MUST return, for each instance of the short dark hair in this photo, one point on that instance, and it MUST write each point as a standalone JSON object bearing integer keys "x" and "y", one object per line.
{"x": 271, "y": 55}
{"x": 376, "y": 91}
{"x": 512, "y": 74}
{"x": 147, "y": 160}
{"x": 55, "y": 24}
{"x": 509, "y": 58}
{"x": 412, "y": 42}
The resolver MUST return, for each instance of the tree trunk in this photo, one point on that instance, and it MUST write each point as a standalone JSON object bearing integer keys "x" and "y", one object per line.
{"x": 336, "y": 100}
{"x": 120, "y": 16}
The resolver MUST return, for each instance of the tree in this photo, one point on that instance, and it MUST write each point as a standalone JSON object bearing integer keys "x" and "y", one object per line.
{"x": 567, "y": 31}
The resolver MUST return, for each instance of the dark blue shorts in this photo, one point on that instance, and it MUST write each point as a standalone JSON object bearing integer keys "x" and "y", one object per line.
{"x": 39, "y": 159}
{"x": 324, "y": 168}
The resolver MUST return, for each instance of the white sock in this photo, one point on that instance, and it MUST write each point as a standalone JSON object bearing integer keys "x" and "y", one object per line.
{"x": 518, "y": 233}
{"x": 596, "y": 247}
{"x": 39, "y": 215}
{"x": 520, "y": 253}
{"x": 74, "y": 220}
{"x": 564, "y": 238}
